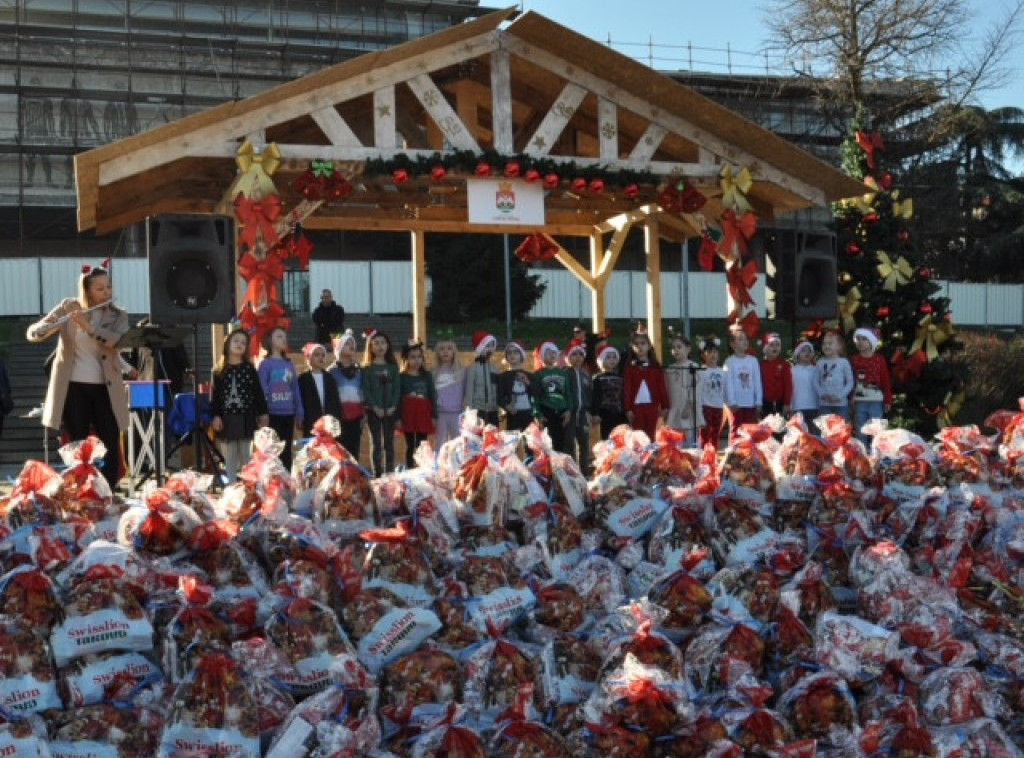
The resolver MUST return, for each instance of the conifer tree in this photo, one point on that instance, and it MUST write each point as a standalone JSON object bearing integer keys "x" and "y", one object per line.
{"x": 882, "y": 287}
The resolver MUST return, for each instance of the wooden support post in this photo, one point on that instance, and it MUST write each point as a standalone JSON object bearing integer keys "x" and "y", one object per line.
{"x": 652, "y": 246}
{"x": 597, "y": 299}
{"x": 419, "y": 285}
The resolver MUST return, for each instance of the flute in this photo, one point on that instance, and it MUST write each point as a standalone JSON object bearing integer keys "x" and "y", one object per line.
{"x": 64, "y": 319}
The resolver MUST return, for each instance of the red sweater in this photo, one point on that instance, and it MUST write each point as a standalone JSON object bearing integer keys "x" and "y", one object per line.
{"x": 872, "y": 371}
{"x": 777, "y": 381}
{"x": 634, "y": 376}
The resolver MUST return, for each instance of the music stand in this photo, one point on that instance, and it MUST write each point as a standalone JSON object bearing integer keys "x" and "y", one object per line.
{"x": 153, "y": 338}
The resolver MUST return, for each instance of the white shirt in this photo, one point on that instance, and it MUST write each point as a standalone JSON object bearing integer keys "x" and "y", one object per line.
{"x": 88, "y": 365}
{"x": 743, "y": 382}
{"x": 318, "y": 380}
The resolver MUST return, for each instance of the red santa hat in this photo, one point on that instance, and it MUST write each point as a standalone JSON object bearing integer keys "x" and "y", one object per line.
{"x": 576, "y": 346}
{"x": 869, "y": 334}
{"x": 604, "y": 353}
{"x": 517, "y": 345}
{"x": 544, "y": 347}
{"x": 482, "y": 342}
{"x": 309, "y": 348}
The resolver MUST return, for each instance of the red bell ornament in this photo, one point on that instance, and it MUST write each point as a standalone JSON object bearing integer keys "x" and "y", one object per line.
{"x": 579, "y": 184}
{"x": 438, "y": 173}
{"x": 885, "y": 181}
{"x": 483, "y": 168}
{"x": 596, "y": 186}
{"x": 532, "y": 175}
{"x": 883, "y": 311}
{"x": 926, "y": 273}
{"x": 400, "y": 176}
{"x": 853, "y": 249}
{"x": 926, "y": 308}
{"x": 551, "y": 181}
{"x": 631, "y": 192}
{"x": 513, "y": 169}
{"x": 871, "y": 218}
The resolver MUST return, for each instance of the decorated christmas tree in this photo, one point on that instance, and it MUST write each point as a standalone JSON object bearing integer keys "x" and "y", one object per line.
{"x": 881, "y": 287}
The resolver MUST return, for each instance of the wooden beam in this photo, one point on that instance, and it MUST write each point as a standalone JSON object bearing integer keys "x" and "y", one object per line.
{"x": 335, "y": 128}
{"x": 608, "y": 129}
{"x": 649, "y": 143}
{"x": 501, "y": 102}
{"x": 441, "y": 111}
{"x": 652, "y": 247}
{"x": 574, "y": 266}
{"x": 385, "y": 135}
{"x": 726, "y": 151}
{"x": 555, "y": 120}
{"x": 419, "y": 284}
{"x": 598, "y": 304}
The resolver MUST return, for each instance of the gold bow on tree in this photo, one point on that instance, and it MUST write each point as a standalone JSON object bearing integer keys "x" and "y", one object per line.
{"x": 257, "y": 169}
{"x": 735, "y": 189}
{"x": 931, "y": 336}
{"x": 849, "y": 304}
{"x": 866, "y": 202}
{"x": 903, "y": 209}
{"x": 951, "y": 406}
{"x": 895, "y": 274}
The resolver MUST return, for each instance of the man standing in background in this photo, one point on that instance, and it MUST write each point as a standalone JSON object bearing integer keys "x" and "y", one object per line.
{"x": 329, "y": 318}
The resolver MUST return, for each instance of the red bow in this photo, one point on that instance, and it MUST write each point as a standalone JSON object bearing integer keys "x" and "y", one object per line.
{"x": 740, "y": 280}
{"x": 708, "y": 251}
{"x": 906, "y": 369}
{"x": 869, "y": 143}
{"x": 297, "y": 245}
{"x": 735, "y": 233}
{"x": 258, "y": 322}
{"x": 537, "y": 247}
{"x": 263, "y": 276}
{"x": 399, "y": 533}
{"x": 258, "y": 218}
{"x": 750, "y": 323}
{"x": 814, "y": 331}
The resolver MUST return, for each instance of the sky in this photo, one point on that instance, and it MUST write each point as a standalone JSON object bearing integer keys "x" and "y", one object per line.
{"x": 712, "y": 34}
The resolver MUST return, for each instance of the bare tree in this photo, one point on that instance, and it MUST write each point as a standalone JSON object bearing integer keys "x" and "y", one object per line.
{"x": 914, "y": 52}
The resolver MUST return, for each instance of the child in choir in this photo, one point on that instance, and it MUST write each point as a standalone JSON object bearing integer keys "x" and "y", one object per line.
{"x": 805, "y": 391}
{"x": 554, "y": 397}
{"x": 381, "y": 393}
{"x": 833, "y": 377}
{"x": 872, "y": 395}
{"x": 418, "y": 400}
{"x": 644, "y": 395}
{"x": 237, "y": 403}
{"x": 450, "y": 386}
{"x": 481, "y": 393}
{"x": 606, "y": 392}
{"x": 681, "y": 381}
{"x": 514, "y": 388}
{"x": 776, "y": 378}
{"x": 711, "y": 392}
{"x": 348, "y": 377}
{"x": 280, "y": 382}
{"x": 575, "y": 356}
{"x": 317, "y": 388}
{"x": 743, "y": 391}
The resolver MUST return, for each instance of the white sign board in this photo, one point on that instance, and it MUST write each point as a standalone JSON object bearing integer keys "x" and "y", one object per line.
{"x": 505, "y": 201}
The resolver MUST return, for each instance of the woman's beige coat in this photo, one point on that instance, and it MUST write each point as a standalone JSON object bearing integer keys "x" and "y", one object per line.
{"x": 109, "y": 322}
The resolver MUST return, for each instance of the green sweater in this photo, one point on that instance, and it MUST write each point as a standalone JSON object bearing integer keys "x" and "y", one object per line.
{"x": 553, "y": 390}
{"x": 421, "y": 385}
{"x": 381, "y": 385}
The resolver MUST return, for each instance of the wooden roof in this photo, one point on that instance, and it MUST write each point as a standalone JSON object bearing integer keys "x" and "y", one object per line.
{"x": 500, "y": 83}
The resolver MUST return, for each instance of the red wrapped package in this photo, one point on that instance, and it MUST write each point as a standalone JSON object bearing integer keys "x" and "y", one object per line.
{"x": 747, "y": 464}
{"x": 28, "y": 683}
{"x": 395, "y": 562}
{"x": 35, "y": 497}
{"x": 28, "y": 594}
{"x": 720, "y": 653}
{"x": 797, "y": 463}
{"x": 553, "y": 527}
{"x": 518, "y": 736}
{"x": 559, "y": 608}
{"x": 194, "y": 631}
{"x": 93, "y": 679}
{"x": 819, "y": 704}
{"x": 957, "y": 695}
{"x": 438, "y": 732}
{"x": 737, "y": 529}
{"x": 495, "y": 670}
{"x": 643, "y": 642}
{"x": 266, "y": 475}
{"x": 186, "y": 487}
{"x": 214, "y": 712}
{"x": 478, "y": 491}
{"x": 620, "y": 455}
{"x": 231, "y": 569}
{"x": 571, "y": 669}
{"x": 870, "y": 561}
{"x": 163, "y": 527}
{"x": 685, "y": 599}
{"x": 85, "y": 488}
{"x": 557, "y": 472}
{"x": 848, "y": 453}
{"x": 427, "y": 675}
{"x": 343, "y": 503}
{"x": 311, "y": 639}
{"x": 667, "y": 462}
{"x": 679, "y": 532}
{"x": 340, "y": 721}
{"x": 756, "y": 589}
{"x": 263, "y": 665}
{"x": 852, "y": 647}
{"x": 639, "y": 698}
{"x": 105, "y": 730}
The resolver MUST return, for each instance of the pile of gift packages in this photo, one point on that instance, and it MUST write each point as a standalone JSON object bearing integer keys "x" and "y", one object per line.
{"x": 800, "y": 595}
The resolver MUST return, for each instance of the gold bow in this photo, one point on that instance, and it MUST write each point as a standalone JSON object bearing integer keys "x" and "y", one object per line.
{"x": 257, "y": 169}
{"x": 895, "y": 273}
{"x": 931, "y": 336}
{"x": 735, "y": 189}
{"x": 849, "y": 304}
{"x": 903, "y": 209}
{"x": 866, "y": 202}
{"x": 951, "y": 406}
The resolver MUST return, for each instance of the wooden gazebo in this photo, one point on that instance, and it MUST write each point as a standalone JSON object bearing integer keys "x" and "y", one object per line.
{"x": 502, "y": 85}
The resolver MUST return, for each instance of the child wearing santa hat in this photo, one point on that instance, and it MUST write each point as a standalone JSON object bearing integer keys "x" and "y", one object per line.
{"x": 348, "y": 376}
{"x": 317, "y": 388}
{"x": 554, "y": 397}
{"x": 805, "y": 390}
{"x": 872, "y": 392}
{"x": 645, "y": 396}
{"x": 481, "y": 392}
{"x": 776, "y": 377}
{"x": 515, "y": 394}
{"x": 607, "y": 391}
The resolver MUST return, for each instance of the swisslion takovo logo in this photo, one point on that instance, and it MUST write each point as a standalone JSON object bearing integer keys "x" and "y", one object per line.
{"x": 505, "y": 197}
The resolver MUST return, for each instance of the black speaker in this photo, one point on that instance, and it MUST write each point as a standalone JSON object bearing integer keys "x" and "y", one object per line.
{"x": 191, "y": 269}
{"x": 805, "y": 274}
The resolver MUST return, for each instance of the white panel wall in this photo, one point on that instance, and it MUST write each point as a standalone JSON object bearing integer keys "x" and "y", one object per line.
{"x": 20, "y": 287}
{"x": 58, "y": 279}
{"x": 348, "y": 282}
{"x": 392, "y": 287}
{"x": 1004, "y": 307}
{"x": 967, "y": 301}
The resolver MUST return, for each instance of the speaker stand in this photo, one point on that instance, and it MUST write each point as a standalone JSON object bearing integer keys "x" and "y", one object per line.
{"x": 202, "y": 447}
